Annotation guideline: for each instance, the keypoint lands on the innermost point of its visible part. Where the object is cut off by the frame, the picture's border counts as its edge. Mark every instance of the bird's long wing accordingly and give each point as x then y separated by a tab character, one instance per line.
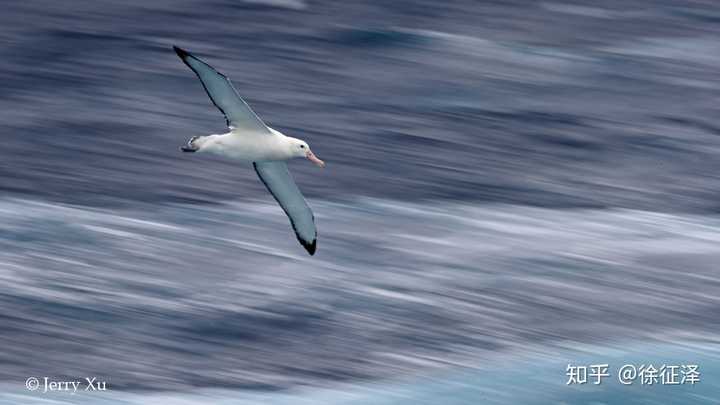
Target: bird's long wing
222	93
279	182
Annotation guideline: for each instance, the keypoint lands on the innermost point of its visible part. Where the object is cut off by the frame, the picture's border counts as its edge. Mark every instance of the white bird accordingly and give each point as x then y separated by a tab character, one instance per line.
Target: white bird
250	140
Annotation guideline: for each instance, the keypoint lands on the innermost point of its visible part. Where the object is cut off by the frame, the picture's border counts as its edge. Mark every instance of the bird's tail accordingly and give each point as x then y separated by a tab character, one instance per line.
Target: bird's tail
190	146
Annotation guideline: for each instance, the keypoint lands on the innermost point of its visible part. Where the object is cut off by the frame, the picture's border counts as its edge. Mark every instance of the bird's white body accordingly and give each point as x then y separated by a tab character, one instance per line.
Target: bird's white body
252	146
248	146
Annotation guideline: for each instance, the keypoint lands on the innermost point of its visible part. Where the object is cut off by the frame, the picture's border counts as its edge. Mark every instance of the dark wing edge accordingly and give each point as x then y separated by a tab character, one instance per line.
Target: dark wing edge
277	179
186	56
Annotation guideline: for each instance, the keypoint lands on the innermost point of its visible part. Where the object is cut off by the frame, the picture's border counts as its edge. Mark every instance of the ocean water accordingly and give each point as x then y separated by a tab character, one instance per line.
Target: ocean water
535	380
179	298
511	187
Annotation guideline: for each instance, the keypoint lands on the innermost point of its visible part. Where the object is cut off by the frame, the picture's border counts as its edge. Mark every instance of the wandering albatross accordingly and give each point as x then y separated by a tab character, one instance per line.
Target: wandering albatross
250	140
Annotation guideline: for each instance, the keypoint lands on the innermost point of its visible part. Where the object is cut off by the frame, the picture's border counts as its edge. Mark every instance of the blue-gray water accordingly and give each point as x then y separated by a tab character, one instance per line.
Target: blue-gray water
505	179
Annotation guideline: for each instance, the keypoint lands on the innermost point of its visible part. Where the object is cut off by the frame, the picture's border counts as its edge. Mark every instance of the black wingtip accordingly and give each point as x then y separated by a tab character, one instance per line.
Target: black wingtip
181	52
310	247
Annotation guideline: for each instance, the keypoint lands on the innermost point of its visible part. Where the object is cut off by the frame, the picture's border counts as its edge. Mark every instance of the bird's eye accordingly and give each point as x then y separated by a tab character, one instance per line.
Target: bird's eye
302	146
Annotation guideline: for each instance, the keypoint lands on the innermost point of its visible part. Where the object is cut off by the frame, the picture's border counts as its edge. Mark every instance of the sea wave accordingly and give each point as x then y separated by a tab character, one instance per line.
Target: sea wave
528	379
206	295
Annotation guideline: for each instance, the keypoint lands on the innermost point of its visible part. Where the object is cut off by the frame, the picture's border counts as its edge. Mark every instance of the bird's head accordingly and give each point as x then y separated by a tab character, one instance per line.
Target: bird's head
300	148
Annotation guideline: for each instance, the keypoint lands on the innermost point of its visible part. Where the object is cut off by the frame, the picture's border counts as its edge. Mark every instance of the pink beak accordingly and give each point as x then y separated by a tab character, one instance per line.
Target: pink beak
311	157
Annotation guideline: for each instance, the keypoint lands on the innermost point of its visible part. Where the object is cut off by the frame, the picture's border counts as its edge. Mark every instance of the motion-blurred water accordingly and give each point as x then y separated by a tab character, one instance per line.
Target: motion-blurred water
503	178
